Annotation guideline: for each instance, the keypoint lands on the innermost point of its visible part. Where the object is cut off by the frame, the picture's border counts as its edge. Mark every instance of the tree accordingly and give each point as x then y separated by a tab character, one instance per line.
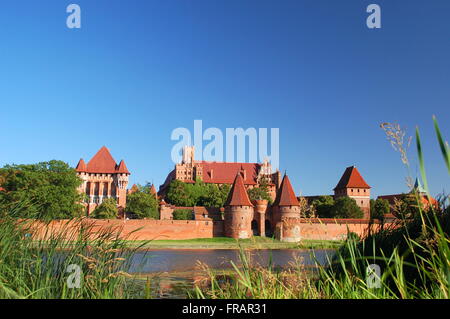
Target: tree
106	210
197	194
183	214
213	196
346	207
178	194
46	190
379	208
260	192
323	206
142	204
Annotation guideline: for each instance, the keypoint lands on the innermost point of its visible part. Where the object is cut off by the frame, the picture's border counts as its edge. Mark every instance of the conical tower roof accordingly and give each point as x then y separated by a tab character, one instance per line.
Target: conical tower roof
238	195
418	186
81	166
122	168
286	195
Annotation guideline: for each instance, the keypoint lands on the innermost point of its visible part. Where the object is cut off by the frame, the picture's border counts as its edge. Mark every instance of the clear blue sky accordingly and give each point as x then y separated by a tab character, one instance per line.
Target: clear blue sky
136	70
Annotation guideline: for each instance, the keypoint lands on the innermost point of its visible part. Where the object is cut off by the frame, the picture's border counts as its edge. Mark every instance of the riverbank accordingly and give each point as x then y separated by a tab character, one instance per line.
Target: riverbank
230	243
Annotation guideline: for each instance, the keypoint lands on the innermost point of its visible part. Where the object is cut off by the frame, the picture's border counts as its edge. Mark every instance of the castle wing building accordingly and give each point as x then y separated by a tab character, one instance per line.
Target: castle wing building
103	178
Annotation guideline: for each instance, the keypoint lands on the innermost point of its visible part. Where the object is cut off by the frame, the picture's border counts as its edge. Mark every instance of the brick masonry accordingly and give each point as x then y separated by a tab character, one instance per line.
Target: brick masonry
318	229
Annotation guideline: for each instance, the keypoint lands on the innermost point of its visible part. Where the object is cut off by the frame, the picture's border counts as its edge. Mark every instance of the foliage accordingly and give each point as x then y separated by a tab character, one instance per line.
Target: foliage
106	210
260	192
346	207
407	206
379	208
323	206
306	210
142	204
197	194
46	190
183	214
39	269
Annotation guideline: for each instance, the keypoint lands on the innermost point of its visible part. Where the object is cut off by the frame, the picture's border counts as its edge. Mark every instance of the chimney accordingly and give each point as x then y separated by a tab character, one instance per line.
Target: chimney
211	174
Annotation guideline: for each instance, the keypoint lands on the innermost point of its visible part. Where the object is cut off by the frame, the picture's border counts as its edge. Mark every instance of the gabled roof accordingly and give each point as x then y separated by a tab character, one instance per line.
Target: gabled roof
225	172
238	195
351	178
102	163
286	195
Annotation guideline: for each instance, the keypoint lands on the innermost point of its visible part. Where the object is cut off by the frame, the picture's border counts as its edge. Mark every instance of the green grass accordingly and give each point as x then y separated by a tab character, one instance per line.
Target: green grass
230	243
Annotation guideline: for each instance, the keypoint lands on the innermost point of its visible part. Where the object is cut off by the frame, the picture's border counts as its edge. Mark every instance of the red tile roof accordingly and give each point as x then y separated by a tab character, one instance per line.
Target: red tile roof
81	166
238	195
122	168
102	163
286	195
225	173
351	178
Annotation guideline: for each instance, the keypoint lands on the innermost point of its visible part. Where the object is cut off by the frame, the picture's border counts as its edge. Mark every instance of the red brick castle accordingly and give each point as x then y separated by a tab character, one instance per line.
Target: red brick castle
103	178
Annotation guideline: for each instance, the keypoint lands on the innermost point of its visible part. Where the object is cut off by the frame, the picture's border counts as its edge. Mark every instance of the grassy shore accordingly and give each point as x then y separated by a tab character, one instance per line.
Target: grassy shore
230	243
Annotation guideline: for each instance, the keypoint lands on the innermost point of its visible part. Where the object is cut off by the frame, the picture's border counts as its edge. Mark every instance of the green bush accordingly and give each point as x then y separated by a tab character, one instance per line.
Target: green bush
46	190
346	207
142	204
106	210
183	214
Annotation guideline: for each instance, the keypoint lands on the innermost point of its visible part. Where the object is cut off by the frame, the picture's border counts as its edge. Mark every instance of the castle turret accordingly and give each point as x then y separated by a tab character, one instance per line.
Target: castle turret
238	211
287	213
354	186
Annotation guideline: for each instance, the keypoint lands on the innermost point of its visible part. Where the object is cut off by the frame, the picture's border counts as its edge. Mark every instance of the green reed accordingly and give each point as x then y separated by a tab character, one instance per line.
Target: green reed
40	268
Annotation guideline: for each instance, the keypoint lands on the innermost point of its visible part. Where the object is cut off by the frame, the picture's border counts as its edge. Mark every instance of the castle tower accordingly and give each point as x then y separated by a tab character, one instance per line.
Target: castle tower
103	178
287	213
354	186
286	203
238	211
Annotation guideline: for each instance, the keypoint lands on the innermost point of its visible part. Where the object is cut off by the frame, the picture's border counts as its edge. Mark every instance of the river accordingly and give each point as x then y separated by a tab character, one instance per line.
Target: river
172	271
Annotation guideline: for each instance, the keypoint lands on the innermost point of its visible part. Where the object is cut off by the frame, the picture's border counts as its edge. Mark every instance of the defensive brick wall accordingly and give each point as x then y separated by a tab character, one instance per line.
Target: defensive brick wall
315	229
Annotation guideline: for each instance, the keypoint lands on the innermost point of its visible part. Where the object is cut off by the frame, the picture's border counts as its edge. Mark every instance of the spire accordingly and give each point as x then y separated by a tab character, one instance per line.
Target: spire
238	195
122	168
286	195
351	178
153	190
81	166
418	186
